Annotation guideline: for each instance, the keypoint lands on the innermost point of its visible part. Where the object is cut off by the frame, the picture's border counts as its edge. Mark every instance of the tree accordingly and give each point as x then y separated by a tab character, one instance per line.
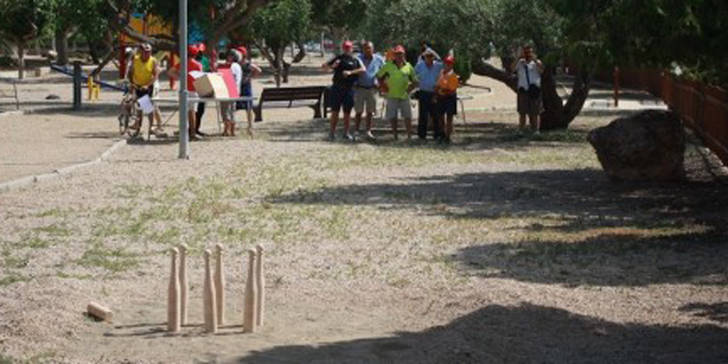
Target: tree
94	26
660	33
218	18
338	18
278	25
24	21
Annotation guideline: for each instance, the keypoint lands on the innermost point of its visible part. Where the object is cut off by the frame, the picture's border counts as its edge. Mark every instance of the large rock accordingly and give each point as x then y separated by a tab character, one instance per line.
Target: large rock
648	146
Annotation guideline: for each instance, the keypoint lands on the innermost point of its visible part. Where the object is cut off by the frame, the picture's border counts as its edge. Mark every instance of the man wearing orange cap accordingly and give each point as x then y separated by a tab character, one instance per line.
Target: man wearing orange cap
346	69
447	97
399	79
192	66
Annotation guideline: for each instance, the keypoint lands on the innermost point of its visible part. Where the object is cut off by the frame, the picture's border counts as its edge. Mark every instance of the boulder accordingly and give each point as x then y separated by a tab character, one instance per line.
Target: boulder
647	146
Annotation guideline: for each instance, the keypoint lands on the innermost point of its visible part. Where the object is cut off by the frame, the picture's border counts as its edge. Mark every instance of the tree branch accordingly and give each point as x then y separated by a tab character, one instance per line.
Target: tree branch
483	68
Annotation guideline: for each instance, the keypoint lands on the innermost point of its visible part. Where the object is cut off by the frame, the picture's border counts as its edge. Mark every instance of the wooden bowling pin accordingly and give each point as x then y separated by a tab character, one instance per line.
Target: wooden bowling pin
173	296
259	285
208	297
219	286
184	286
249	319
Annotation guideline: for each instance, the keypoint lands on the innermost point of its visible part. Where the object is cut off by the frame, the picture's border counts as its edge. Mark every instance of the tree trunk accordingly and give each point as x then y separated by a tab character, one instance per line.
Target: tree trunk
278	67
286	70
61	38
556	114
21	60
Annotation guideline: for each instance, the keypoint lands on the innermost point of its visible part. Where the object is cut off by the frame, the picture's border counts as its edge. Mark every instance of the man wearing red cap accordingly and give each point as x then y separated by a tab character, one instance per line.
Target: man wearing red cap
446	90
341	95
399	79
192	66
249	70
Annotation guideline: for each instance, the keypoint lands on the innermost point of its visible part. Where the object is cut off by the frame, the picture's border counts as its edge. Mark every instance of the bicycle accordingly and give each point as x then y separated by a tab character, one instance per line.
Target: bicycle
129	111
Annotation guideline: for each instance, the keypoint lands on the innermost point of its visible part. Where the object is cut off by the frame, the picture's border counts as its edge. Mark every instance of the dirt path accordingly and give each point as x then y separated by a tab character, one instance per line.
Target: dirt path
499	248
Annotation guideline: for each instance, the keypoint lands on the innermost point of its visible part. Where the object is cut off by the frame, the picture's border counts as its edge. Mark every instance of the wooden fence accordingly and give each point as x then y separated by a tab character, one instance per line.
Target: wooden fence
703	108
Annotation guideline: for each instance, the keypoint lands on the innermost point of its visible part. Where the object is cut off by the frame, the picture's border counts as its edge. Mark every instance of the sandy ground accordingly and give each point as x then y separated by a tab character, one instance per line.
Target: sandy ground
499	248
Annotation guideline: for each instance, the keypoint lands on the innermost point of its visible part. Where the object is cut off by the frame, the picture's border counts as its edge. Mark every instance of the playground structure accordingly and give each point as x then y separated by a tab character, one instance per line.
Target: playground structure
144	24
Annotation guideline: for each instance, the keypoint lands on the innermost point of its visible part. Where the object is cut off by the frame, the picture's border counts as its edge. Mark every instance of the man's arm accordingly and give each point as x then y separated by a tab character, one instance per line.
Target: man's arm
256	70
357	71
332	64
539	65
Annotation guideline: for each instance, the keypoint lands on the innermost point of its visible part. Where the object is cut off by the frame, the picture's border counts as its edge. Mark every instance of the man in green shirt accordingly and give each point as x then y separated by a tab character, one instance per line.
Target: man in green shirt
398	79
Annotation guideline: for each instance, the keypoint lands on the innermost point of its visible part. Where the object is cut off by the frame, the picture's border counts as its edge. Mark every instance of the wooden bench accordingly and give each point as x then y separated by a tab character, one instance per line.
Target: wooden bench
313	94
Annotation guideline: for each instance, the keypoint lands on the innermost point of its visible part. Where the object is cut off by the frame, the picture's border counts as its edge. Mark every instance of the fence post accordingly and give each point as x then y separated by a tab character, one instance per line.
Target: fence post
76	86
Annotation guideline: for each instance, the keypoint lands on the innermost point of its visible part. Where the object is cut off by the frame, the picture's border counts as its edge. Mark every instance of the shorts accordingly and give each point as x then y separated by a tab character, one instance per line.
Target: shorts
528	105
192	105
245	91
447	105
365	98
228	111
149	91
341	98
398	105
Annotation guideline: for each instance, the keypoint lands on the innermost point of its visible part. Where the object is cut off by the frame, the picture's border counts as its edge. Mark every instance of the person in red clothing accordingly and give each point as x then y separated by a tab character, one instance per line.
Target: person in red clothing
192	66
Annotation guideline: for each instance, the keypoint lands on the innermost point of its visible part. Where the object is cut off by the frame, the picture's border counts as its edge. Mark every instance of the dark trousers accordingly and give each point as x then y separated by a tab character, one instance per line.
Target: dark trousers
198	116
428	110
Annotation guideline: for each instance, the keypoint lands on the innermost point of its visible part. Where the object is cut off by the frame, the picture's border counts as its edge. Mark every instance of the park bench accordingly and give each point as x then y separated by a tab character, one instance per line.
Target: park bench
294	96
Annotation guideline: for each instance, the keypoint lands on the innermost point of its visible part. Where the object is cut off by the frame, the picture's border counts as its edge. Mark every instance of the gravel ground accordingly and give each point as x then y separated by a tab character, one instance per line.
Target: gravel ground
498	248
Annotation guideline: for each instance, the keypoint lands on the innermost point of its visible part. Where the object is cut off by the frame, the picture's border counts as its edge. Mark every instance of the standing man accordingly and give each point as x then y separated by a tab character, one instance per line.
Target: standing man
399	79
205	62
529	69
192	66
341	95
249	70
447	98
142	76
428	70
365	91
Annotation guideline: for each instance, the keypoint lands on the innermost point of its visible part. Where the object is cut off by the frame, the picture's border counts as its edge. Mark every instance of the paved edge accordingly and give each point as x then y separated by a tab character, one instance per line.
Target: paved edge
31	180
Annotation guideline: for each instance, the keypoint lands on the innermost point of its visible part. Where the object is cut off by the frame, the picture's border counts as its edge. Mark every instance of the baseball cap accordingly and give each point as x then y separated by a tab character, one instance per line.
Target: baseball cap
449	60
399	49
243	51
347	45
192	50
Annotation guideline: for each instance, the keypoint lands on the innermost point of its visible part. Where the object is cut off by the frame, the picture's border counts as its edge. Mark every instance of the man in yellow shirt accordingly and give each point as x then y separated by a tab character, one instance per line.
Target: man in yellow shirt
446	90
142	76
399	79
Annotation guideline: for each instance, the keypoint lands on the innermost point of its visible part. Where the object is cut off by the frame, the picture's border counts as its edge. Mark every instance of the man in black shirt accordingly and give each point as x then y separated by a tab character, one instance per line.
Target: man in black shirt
346	71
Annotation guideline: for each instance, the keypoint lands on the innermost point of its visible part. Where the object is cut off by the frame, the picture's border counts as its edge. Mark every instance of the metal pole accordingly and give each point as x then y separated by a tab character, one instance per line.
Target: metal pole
184	138
77	86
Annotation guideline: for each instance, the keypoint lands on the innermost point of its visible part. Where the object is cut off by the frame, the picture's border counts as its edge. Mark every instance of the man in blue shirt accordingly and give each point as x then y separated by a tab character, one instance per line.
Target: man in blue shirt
428	70
365	90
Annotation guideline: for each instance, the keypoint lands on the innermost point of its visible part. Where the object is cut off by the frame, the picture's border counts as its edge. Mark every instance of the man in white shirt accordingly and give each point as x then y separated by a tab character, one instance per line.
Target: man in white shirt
529	69
228	108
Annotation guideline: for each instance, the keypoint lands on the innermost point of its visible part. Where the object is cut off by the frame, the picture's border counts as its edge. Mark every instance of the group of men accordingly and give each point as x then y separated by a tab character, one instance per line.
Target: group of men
143	75
359	79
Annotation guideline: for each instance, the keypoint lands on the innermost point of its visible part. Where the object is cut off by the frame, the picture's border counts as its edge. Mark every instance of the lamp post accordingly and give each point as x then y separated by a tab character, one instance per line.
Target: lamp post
184	137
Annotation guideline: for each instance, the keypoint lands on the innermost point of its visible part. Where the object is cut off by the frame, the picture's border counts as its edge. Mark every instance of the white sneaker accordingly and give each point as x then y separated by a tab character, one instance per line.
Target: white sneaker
370	135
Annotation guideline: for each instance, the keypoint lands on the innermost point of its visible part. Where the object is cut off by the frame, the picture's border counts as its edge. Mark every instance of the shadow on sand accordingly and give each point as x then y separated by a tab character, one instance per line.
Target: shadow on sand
519	334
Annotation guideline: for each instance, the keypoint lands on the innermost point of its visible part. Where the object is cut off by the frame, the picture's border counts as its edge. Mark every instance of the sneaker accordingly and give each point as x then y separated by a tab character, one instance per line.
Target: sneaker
370	136
348	137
